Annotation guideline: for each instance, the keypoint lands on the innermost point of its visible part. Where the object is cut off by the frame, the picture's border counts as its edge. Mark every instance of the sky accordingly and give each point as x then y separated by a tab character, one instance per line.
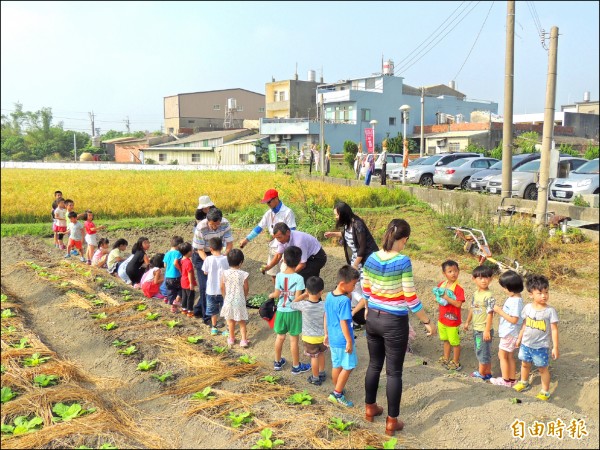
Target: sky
120	59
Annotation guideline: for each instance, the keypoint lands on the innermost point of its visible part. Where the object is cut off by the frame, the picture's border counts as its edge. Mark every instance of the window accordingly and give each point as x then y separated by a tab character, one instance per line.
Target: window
480	164
240	108
453	146
216	107
261	109
196	157
191	121
171	130
243	158
366	115
282	96
162	157
205	143
392	121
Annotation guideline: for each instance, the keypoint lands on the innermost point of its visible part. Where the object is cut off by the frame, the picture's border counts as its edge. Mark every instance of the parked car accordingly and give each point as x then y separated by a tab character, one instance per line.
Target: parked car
458	172
525	177
581	181
417	161
423	173
479	180
394	161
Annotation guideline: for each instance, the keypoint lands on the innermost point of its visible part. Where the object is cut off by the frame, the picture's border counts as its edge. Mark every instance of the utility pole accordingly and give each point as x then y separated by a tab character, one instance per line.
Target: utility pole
75	146
507	129
91	114
127	124
548	130
422	144
322	136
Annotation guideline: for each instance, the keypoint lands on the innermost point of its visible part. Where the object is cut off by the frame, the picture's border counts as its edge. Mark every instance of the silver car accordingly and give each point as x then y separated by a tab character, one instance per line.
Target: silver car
582	181
458	172
479	180
423	173
524	179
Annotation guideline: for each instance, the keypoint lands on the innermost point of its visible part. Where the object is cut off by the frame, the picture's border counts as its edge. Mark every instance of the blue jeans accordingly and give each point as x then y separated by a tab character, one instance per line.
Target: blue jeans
200	306
368	177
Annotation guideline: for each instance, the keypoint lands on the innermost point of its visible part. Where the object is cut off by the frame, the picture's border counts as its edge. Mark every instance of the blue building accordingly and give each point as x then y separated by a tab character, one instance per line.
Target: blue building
351	105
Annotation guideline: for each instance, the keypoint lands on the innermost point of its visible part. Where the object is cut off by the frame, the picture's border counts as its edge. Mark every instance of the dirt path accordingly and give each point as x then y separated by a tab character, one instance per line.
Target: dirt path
441	410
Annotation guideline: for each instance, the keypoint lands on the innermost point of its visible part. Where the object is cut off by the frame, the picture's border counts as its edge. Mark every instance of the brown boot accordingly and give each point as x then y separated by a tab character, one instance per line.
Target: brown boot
372	410
392	424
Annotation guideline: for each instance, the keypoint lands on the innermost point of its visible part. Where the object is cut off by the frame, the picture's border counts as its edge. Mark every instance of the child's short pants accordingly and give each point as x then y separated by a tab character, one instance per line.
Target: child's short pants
339	358
288	323
214	303
483	349
508	343
449	334
537	356
77	244
314	350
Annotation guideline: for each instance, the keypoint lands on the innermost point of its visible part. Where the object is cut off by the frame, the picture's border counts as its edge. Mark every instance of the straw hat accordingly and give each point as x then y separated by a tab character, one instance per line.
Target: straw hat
204	201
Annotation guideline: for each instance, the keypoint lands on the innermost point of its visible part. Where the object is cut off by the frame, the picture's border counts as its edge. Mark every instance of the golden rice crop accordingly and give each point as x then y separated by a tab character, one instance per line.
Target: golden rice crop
112	194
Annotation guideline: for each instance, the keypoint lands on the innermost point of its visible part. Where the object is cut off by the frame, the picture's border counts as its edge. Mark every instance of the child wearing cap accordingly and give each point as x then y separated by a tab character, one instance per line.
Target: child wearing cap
277	212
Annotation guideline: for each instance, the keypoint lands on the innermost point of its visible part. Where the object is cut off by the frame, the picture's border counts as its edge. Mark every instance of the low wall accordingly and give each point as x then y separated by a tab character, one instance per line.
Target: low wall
122	166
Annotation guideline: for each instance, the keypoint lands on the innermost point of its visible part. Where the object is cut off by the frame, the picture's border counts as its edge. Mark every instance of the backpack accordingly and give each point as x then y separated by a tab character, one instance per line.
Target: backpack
267	309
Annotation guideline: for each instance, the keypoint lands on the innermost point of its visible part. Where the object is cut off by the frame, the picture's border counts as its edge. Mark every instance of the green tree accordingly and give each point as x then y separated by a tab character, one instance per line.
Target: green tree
591	152
526	142
350	151
568	149
495	152
475	148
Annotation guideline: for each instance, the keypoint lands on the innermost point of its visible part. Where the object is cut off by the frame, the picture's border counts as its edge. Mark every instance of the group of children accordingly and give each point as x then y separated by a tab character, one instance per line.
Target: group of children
533	329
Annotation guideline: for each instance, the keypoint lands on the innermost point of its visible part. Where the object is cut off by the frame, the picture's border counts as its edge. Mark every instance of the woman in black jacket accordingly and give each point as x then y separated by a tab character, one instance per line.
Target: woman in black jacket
358	245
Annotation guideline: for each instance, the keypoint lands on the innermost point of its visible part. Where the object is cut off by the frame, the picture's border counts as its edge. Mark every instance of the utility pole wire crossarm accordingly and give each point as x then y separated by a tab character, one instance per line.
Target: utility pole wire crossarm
507	128
548	130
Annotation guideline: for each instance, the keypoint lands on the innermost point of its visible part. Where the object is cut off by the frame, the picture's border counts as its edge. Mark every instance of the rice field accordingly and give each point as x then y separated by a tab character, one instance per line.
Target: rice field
28	193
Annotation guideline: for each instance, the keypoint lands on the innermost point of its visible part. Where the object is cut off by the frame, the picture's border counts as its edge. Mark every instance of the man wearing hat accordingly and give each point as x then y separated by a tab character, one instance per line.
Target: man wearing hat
277	212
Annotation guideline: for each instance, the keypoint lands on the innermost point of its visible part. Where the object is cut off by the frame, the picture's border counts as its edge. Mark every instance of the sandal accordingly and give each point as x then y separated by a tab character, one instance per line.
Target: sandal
476	374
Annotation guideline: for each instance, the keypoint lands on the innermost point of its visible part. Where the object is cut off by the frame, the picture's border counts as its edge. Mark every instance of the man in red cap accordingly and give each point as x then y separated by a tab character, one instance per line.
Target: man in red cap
277	212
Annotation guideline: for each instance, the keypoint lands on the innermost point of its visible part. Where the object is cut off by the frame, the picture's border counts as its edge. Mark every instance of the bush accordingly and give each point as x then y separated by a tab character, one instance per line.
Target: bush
350	151
149	161
591	152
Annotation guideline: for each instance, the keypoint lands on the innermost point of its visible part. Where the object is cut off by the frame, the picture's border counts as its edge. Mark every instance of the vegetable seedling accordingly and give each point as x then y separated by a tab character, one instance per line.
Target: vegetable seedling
204	394
300	398
335	423
514	400
23	343
172	323
194	339
7	330
164	377
145	366
35	360
109	326
270	379
22	425
152	316
118	343
44	380
389	444
54	278
98	279
128	351
219	350
109	285
7	313
101	315
237	420
65	284
266	441
3	298
97	302
247	359
2	368
141	307
64	413
7	394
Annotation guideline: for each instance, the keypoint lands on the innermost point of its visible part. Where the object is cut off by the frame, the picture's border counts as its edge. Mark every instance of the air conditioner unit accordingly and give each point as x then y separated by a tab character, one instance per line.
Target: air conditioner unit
287	137
274	138
441	142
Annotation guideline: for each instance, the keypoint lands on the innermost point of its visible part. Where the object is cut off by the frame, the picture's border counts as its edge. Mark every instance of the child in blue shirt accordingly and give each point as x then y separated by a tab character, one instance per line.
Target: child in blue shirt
338	333
172	263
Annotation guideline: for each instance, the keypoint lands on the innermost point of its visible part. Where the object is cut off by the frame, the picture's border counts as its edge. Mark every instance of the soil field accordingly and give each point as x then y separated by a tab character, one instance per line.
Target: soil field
54	300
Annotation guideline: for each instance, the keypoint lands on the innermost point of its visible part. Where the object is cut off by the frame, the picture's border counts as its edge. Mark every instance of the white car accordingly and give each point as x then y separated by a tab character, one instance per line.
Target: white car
582	181
394	161
525	177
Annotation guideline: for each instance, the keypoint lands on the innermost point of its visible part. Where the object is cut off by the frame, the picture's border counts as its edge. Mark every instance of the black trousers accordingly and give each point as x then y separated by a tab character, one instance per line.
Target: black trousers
314	264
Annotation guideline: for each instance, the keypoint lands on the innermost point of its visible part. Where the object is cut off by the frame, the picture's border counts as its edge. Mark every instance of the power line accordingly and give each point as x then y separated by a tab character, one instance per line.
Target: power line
476	38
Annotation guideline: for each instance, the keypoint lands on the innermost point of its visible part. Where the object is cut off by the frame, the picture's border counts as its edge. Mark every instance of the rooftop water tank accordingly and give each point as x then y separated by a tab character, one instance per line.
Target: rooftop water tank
388	67
586	96
452	84
312	75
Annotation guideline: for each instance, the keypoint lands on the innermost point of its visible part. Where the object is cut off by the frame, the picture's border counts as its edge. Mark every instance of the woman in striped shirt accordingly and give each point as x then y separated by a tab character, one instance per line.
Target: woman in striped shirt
389	291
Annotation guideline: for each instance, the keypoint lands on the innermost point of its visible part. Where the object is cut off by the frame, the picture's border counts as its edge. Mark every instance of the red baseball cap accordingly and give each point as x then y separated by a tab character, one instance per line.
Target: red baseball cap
269	195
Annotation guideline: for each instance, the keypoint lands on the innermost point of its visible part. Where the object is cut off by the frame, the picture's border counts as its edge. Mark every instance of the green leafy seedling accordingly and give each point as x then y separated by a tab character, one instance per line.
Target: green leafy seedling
335	423
65	284
270	379
23	343
128	351
141	307
118	343
127	298
7	394
22	425
164	377
145	366
204	394
266	441
219	350
2	368
43	273
7	313
99	279
35	360
247	359
514	400
44	380
300	398
64	413
8	330
89	296
125	292
109	285
54	277
172	323
97	302
194	339
101	315
3	298
152	316
239	419
109	326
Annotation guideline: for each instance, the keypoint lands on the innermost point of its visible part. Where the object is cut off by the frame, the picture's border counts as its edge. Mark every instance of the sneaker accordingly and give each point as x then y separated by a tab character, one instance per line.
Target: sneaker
89	262
82	259
231	342
244	343
166	300
342	400
453	366
500	382
300	368
476	374
314	380
543	396
322	376
184	312
356	326
522	386
225	333
214	331
74	252
278	365
62	246
443	361
67	255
